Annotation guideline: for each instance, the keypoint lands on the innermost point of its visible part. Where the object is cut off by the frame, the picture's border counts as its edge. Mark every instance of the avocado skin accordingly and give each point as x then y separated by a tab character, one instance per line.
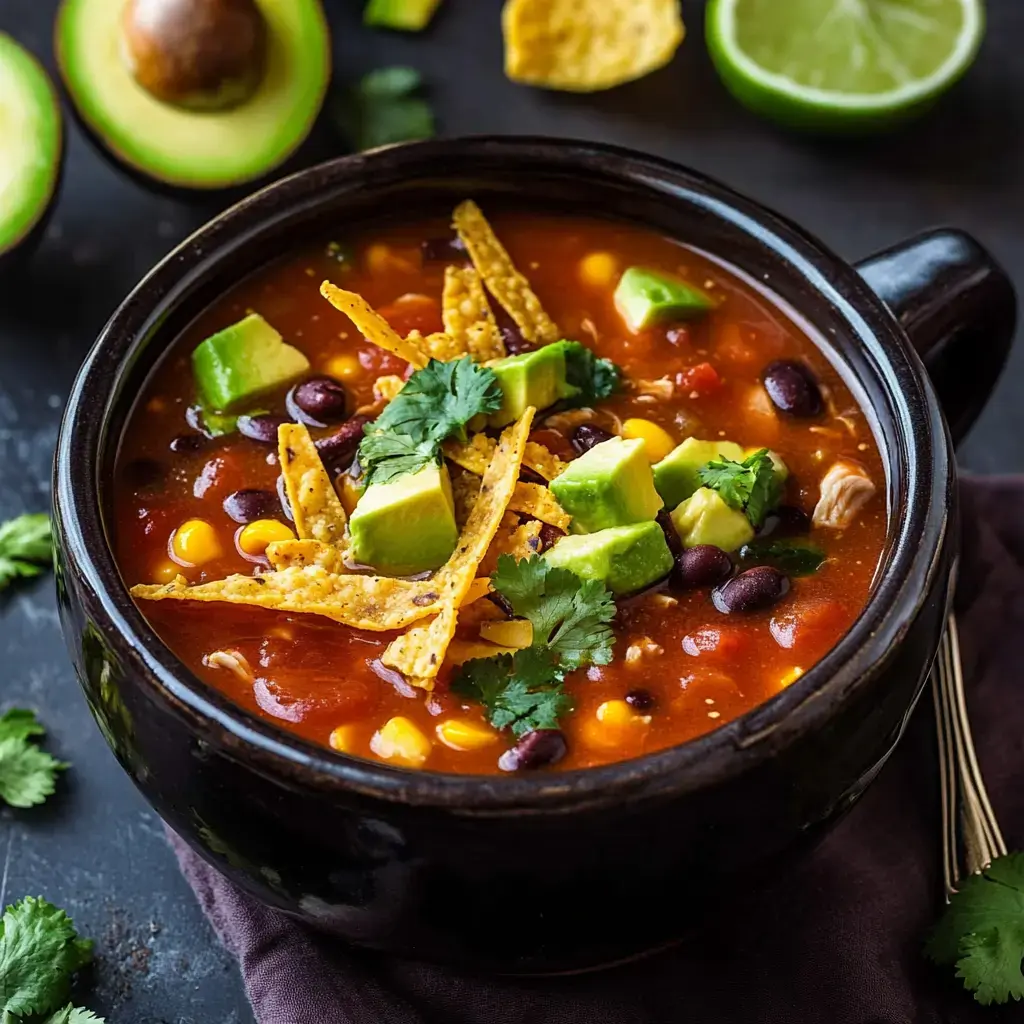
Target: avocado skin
15	258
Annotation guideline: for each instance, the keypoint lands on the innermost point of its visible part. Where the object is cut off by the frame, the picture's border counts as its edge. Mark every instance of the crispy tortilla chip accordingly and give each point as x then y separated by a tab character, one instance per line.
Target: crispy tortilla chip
387	387
537	501
316	507
475	455
288	554
418	654
503	281
468	317
520	540
438	346
377	603
587	45
481	588
465	491
372	325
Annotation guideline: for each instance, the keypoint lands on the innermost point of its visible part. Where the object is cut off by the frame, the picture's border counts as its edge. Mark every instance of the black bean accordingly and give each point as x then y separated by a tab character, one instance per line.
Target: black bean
587	435
785	521
531	476
793	388
183	444
675	544
251	504
536	749
446	249
337	450
703	565
752	590
511	335
317	402
260	428
282	497
640	700
549	536
143	473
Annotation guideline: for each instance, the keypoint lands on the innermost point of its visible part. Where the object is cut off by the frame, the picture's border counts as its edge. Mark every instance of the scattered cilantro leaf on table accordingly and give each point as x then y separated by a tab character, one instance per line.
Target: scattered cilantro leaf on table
26	547
982	932
384	107
27	774
750	486
596	378
73	1015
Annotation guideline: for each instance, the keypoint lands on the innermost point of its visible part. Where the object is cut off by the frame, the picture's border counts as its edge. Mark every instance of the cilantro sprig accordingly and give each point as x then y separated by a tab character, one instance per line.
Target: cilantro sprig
383	107
750	486
436	403
27	774
570	618
26	547
982	932
595	378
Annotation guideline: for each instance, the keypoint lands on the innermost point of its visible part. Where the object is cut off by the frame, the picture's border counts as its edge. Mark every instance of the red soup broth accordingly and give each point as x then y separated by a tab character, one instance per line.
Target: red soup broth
696	667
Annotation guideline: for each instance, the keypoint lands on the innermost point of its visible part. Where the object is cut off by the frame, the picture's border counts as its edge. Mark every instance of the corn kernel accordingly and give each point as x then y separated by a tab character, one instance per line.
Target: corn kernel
382	259
790	676
617	713
343	738
343	367
165	572
614	725
401	742
508	632
462	734
350	493
598	269
254	538
195	542
657	440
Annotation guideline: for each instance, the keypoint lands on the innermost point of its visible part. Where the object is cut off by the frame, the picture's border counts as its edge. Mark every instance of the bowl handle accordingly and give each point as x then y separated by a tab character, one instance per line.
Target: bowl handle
959	309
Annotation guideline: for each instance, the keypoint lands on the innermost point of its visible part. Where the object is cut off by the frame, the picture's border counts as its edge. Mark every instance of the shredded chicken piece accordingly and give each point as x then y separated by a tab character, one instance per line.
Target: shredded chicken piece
845	489
233	661
643	645
663	387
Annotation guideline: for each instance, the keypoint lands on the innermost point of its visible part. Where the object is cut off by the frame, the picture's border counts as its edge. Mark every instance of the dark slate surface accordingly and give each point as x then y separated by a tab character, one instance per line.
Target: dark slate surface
96	849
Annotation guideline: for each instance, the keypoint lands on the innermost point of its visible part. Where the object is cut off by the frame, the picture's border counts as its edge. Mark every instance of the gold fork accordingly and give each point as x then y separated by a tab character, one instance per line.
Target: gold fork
969	826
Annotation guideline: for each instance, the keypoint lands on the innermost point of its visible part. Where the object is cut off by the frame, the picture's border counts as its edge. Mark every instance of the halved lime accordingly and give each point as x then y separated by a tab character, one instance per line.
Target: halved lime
842	63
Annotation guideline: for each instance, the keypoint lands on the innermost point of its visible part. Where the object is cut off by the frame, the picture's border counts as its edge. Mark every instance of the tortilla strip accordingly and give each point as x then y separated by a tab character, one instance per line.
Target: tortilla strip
288	554
537	501
520	540
419	653
316	507
387	387
372	325
481	588
503	281
468	317
439	346
377	603
475	455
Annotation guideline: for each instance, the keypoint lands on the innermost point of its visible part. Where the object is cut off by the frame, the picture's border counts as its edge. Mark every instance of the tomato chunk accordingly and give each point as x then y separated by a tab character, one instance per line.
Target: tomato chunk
702	379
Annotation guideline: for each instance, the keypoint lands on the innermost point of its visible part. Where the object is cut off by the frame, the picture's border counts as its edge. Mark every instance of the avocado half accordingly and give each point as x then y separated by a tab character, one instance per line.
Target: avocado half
30	146
196	149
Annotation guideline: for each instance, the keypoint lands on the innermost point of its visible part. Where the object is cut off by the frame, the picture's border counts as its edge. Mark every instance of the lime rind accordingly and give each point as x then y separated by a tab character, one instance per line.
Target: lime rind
789	101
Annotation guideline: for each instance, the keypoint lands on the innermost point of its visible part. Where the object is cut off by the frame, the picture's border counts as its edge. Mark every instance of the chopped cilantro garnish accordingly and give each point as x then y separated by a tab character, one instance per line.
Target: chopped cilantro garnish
26	547
27	774
383	107
982	932
793	557
750	486
596	378
570	619
436	403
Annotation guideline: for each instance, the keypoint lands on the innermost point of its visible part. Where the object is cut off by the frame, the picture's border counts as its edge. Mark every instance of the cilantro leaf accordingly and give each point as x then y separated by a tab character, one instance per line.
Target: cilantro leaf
74	1015
384	457
982	932
27	774
596	378
20	724
26	547
750	486
795	558
483	679
383	108
39	952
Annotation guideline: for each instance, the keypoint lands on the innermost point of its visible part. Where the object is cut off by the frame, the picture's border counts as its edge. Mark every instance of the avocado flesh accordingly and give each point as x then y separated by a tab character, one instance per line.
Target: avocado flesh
532	378
30	143
611	485
196	149
645	298
705	518
408	15
406	526
624	558
677	476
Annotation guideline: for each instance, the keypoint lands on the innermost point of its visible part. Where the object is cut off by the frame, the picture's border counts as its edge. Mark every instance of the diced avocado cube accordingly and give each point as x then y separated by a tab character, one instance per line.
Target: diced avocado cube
405	526
645	298
626	558
243	361
408	15
611	485
677	476
532	378
704	518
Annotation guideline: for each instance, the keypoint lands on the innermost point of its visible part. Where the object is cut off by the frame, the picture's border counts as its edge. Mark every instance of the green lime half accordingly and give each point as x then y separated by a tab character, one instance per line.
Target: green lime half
842	63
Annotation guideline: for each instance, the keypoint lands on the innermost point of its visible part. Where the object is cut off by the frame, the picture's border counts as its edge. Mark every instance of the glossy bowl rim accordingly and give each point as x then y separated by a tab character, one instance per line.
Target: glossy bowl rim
919	538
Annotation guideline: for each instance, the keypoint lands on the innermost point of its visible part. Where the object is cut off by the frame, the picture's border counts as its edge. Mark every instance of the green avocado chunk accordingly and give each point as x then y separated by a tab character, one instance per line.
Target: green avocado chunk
406	526
610	485
704	518
532	378
243	361
626	558
408	15
677	476
646	297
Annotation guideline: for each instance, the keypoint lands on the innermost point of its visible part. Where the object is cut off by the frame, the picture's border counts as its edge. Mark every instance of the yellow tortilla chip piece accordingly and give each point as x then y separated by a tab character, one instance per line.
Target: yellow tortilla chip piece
467	315
387	387
503	281
588	45
520	540
316	507
372	326
475	455
465	491
481	587
438	346
537	501
288	554
418	654
377	603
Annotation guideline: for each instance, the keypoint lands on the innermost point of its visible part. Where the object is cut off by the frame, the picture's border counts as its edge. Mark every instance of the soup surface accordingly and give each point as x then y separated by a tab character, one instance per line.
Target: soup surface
763	554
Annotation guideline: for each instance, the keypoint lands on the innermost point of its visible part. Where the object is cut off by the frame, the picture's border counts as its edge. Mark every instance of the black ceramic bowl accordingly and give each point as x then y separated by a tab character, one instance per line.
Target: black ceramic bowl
551	871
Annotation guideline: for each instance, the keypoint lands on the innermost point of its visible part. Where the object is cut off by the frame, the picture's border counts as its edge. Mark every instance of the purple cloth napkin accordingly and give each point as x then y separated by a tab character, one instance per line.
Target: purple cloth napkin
841	942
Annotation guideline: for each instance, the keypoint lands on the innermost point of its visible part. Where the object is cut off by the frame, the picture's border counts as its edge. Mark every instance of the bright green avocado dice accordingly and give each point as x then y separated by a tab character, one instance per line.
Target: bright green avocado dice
610	485
626	558
704	518
242	362
645	298
408	15
532	378
406	526
677	476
